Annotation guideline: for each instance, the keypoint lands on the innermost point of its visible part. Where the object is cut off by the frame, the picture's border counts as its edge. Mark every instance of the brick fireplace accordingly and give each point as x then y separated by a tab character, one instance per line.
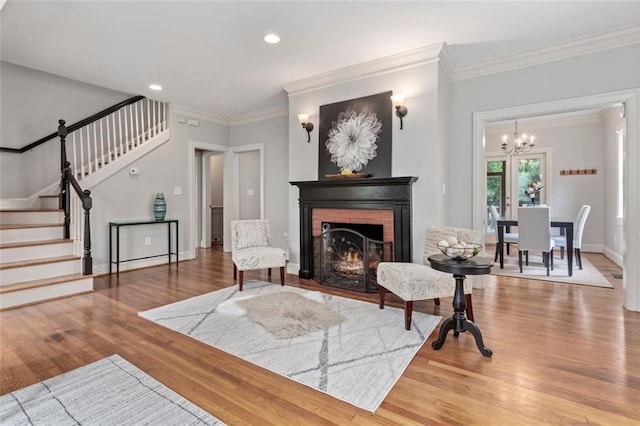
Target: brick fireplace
379	201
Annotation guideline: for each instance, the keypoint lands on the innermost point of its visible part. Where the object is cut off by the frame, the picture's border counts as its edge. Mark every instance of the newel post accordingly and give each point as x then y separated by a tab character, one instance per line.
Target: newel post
87	260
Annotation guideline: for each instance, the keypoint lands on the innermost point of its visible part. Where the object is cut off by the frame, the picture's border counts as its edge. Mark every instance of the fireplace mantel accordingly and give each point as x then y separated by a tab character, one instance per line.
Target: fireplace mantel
373	193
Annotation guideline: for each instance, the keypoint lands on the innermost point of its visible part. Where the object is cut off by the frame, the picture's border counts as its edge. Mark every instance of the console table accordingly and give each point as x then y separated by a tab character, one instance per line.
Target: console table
458	322
120	224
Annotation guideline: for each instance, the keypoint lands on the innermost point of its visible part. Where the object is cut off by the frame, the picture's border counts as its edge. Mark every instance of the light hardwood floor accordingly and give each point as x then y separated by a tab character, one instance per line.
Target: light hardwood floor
563	354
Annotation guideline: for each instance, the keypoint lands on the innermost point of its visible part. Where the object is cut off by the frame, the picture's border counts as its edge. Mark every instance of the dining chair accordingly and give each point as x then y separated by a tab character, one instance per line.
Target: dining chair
509	237
534	233
251	249
561	241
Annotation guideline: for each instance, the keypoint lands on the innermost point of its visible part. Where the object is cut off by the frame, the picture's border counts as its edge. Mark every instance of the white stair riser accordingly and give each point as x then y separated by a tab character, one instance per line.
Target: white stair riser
38	294
31	234
14	218
38	272
18	254
49	203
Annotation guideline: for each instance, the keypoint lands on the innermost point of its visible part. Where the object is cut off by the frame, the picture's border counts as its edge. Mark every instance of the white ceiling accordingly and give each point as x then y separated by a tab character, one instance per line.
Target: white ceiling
210	56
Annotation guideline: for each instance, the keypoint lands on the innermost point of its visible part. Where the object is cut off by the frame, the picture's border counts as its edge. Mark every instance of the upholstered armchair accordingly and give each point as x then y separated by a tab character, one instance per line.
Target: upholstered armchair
414	281
251	249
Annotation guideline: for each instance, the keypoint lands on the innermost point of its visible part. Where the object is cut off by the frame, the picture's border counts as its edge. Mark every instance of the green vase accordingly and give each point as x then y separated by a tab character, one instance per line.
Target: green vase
159	207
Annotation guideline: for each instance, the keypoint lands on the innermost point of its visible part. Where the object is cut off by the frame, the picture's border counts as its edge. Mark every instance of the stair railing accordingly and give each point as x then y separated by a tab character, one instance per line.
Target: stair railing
73	217
108	138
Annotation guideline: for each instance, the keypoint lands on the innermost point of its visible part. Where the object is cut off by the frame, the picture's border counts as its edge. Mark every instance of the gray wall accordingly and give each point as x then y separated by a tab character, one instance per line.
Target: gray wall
415	150
595	73
249	185
273	134
32	103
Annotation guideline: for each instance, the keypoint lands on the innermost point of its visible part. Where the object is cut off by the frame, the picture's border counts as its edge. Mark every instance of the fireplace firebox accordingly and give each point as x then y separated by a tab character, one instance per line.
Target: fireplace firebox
347	255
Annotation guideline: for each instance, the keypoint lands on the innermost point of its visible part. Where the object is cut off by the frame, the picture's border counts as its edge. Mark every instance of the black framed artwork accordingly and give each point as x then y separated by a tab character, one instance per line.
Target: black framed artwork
356	135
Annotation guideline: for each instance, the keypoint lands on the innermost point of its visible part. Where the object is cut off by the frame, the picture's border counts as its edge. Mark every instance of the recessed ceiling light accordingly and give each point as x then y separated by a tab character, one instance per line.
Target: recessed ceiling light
272	38
155	87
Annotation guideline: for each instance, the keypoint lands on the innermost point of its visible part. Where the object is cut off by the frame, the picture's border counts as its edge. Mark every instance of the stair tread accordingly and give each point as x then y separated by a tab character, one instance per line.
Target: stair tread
28	225
35	243
34	262
42	282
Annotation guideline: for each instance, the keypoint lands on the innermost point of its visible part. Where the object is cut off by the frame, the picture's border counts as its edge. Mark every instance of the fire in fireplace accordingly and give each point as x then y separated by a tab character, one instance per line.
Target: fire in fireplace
349	254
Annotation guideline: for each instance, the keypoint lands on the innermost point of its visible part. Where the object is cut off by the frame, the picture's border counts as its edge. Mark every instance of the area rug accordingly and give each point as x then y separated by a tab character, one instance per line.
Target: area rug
107	392
358	359
589	275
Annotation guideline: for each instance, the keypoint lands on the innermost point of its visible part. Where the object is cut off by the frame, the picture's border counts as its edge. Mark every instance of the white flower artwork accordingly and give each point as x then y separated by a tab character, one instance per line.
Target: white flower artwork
352	139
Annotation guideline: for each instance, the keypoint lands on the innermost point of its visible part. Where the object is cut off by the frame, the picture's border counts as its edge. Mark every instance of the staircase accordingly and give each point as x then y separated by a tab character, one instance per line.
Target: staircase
36	262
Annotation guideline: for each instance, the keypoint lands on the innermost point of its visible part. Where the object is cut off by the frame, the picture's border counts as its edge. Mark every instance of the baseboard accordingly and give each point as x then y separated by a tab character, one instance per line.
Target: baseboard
293	268
142	263
613	256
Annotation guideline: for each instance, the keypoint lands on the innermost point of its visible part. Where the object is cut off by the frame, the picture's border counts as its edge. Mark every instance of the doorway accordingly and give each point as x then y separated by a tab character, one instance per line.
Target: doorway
631	188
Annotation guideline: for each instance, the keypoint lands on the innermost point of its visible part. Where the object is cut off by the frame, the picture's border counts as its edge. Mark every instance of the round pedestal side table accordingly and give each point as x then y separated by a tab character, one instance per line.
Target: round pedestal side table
458	322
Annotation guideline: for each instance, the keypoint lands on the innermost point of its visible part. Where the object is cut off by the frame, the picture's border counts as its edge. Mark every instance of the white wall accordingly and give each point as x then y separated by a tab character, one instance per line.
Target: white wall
414	150
613	228
573	146
32	103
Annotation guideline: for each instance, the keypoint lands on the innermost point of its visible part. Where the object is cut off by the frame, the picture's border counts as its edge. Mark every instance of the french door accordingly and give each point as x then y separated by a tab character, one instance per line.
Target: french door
507	179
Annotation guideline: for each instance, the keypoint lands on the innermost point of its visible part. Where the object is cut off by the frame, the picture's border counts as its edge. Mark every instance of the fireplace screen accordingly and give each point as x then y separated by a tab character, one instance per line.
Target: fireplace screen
347	258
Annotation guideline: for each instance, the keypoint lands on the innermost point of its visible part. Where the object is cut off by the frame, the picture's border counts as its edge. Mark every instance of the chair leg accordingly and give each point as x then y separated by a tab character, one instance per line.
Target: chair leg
545	256
282	275
495	257
381	293
520	260
235	272
469	306
241	274
508	246
552	259
526	256
437	301
408	310
269	273
579	258
561	252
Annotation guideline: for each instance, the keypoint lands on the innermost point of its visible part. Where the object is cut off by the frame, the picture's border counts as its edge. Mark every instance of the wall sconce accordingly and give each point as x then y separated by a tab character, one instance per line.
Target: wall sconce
304	120
398	104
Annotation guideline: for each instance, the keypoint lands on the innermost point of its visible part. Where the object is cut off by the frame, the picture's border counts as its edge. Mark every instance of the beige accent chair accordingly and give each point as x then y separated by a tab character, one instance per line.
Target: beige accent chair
251	249
534	233
561	241
509	237
413	281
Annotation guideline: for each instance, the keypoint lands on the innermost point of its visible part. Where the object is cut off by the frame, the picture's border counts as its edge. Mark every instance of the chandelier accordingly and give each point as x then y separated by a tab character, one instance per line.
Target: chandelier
519	144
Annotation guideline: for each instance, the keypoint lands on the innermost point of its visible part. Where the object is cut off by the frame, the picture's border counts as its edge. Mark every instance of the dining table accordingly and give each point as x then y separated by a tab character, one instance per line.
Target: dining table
566	229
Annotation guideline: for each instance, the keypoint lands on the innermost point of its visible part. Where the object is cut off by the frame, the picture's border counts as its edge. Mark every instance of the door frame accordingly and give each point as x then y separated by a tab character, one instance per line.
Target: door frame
631	221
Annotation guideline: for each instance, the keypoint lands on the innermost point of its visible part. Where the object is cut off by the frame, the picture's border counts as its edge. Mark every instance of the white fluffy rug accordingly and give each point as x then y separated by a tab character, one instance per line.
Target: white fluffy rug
357	360
107	392
536	270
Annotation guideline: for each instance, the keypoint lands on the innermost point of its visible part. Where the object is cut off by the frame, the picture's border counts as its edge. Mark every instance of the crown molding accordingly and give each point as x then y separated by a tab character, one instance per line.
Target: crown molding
265	114
578	118
202	115
446	60
400	61
581	46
